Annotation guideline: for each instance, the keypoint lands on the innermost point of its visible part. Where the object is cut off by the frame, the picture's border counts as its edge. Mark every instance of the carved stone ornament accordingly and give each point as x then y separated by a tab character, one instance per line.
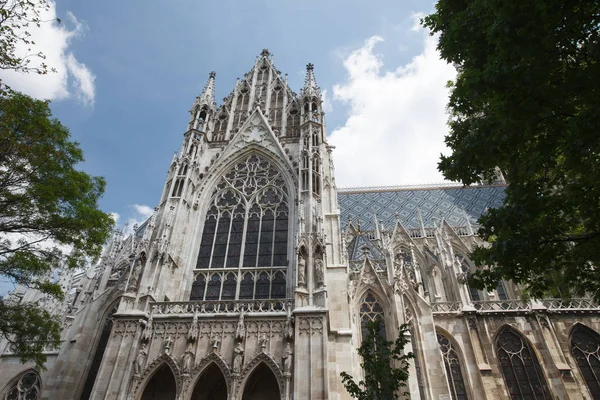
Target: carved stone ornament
140	360
187	362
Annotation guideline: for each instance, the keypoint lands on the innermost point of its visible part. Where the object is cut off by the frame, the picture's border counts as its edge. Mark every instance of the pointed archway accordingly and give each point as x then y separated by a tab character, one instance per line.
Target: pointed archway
211	385
161	386
261	385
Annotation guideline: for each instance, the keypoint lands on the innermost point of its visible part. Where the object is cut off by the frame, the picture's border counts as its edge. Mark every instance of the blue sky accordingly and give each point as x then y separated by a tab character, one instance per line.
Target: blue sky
128	72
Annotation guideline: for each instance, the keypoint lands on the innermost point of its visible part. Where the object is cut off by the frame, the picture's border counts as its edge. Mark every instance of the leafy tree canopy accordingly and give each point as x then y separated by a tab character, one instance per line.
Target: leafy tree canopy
526	100
49	216
384	363
17	17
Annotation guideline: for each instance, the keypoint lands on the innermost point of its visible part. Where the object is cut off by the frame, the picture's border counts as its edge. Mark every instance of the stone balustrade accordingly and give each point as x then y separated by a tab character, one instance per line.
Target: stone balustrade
576	304
446	307
501	305
168	308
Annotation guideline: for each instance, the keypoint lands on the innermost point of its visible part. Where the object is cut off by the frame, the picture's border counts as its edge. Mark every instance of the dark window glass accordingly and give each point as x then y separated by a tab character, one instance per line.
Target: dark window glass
98	355
585	348
229	286
198	288
214	287
371	310
262	286
247	286
278	286
522	373
221	240
452	367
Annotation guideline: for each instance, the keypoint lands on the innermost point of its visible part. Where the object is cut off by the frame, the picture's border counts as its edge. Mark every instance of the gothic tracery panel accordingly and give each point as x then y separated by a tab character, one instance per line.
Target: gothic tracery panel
246	229
454	374
522	372
26	387
585	348
370	311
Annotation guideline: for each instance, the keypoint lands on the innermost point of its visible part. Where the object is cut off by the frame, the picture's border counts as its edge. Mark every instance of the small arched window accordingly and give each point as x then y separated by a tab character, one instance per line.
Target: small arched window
371	310
26	386
585	348
452	367
522	372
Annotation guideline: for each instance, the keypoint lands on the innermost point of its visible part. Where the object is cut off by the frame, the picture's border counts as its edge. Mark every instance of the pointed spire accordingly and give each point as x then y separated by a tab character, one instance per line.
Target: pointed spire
310	89
208	94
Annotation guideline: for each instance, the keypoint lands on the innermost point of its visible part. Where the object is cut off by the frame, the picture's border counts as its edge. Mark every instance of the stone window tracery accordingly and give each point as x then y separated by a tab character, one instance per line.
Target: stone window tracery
371	310
585	348
27	387
293	123
452	367
220	128
522	372
246	229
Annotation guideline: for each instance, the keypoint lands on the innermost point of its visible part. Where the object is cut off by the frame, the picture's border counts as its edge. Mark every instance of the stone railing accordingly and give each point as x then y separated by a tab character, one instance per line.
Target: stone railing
446	307
167	308
578	304
501	305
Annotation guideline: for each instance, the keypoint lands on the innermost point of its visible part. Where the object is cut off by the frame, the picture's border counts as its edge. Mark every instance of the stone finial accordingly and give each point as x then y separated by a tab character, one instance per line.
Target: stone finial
310	67
265	53
212	75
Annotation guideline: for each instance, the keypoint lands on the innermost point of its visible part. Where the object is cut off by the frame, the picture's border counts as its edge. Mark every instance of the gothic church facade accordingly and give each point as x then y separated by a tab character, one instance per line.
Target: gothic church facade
255	275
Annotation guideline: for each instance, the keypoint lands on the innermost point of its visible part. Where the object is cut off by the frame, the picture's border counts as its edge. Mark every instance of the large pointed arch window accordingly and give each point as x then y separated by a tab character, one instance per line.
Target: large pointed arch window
245	235
585	348
522	372
452	367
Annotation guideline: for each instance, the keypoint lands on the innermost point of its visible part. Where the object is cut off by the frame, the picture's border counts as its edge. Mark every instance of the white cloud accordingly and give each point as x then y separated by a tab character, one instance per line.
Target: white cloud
141	213
115	216
397	121
327	106
143	210
73	79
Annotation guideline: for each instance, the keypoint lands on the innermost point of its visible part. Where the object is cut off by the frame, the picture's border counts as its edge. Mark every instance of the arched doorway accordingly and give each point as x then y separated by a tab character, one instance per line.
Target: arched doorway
161	386
211	385
261	385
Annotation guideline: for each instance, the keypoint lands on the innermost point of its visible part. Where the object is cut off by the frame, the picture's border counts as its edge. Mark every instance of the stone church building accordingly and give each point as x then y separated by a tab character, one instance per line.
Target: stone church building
255	275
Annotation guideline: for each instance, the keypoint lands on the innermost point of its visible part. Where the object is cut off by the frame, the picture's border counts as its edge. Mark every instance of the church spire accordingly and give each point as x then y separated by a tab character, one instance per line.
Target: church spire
310	89
208	94
204	105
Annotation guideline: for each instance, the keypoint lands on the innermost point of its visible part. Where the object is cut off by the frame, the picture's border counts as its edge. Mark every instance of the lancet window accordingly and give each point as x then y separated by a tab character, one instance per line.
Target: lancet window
220	128
26	387
316	165
452	367
293	123
585	348
245	235
371	310
241	107
276	107
178	187
522	372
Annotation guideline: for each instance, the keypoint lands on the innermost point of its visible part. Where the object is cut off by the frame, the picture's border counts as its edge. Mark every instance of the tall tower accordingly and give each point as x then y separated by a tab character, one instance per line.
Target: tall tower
230	275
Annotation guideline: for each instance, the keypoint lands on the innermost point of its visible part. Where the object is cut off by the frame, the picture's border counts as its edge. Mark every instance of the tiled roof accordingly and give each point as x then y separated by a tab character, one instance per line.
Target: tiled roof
453	203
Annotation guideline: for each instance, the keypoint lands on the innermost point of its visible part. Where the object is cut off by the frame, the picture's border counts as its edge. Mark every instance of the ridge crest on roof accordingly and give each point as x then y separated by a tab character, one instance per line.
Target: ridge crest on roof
441	185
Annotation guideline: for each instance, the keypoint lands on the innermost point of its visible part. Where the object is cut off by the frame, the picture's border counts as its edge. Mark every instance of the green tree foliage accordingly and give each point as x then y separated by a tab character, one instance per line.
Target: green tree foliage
49	216
384	363
526	100
16	44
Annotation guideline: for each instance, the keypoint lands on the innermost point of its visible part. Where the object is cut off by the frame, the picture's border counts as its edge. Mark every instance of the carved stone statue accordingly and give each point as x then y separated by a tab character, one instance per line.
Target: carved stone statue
215	343
240	330
140	360
287	360
319	272
301	271
263	342
238	358
194	330
167	345
288	330
187	361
